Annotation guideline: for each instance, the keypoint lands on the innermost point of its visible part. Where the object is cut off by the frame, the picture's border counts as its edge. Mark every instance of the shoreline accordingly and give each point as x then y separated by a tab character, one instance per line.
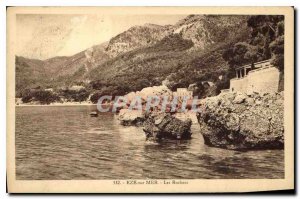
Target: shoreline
29	105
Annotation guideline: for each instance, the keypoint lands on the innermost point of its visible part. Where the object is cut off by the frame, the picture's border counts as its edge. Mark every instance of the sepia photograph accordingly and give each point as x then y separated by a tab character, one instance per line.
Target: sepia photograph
139	98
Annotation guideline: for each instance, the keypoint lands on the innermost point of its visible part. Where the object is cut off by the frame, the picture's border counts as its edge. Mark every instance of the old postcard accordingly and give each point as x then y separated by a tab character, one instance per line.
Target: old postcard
150	99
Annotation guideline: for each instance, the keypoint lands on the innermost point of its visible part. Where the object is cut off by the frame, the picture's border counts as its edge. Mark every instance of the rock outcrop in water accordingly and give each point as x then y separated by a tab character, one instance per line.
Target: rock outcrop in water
131	117
160	126
241	122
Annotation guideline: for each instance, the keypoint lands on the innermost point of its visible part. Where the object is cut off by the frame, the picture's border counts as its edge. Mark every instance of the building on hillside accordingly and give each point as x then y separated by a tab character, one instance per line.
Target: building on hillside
76	88
18	101
86	81
182	92
258	77
49	89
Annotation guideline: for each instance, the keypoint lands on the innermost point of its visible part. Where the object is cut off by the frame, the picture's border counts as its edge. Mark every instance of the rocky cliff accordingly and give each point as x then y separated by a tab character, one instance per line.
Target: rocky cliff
204	30
241	122
136	37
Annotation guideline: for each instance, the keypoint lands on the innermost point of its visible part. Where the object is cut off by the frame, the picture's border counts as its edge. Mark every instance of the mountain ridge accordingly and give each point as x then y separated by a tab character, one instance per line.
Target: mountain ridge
141	56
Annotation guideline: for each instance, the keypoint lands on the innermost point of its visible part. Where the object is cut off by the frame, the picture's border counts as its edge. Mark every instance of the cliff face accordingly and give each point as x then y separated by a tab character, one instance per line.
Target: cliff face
241	122
136	37
201	30
204	30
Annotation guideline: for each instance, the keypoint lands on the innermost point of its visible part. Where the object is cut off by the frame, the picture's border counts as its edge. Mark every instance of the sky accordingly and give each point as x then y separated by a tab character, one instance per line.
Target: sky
42	36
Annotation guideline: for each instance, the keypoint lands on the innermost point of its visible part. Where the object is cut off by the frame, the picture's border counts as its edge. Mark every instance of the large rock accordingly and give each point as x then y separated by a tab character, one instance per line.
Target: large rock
241	122
131	117
149	91
160	126
137	117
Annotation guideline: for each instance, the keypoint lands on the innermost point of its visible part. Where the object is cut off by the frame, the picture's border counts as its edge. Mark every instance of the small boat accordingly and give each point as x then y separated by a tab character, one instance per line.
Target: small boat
94	114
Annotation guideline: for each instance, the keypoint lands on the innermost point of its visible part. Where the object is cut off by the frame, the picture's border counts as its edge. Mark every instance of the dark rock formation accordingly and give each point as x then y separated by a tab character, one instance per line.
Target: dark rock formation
164	126
241	122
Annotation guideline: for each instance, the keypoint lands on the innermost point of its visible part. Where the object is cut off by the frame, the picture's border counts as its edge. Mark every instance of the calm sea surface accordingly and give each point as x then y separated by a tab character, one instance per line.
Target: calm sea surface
54	143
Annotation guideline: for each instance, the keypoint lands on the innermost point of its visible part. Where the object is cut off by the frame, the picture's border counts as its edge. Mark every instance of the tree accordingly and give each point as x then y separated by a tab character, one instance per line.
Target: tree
266	42
277	47
44	97
75	95
241	53
26	96
265	33
81	95
95	97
